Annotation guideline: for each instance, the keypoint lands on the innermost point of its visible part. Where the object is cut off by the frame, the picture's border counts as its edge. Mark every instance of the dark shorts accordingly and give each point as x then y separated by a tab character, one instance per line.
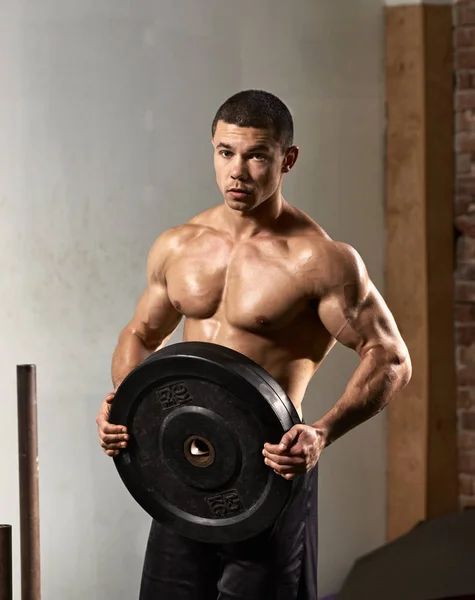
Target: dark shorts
279	564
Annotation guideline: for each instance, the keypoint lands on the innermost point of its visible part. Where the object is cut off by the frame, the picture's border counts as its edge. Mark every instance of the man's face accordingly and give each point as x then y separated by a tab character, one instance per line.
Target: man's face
249	165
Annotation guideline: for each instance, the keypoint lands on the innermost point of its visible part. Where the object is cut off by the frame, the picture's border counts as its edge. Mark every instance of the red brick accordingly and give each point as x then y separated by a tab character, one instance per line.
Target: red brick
465	377
465	13
466	484
458	420
461	206
465	249
466	224
465	292
463	162
466	357
465	142
467	503
461	123
465	399
468	421
466	272
465	58
464	99
465	121
466	441
459	357
464	37
465	335
465	184
466	463
464	313
463	80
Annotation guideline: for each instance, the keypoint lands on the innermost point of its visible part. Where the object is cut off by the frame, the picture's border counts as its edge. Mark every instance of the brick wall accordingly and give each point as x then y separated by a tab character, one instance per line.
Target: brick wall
464	58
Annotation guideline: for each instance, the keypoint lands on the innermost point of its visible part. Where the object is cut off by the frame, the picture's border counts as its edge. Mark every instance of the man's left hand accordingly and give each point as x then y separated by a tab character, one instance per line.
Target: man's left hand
296	454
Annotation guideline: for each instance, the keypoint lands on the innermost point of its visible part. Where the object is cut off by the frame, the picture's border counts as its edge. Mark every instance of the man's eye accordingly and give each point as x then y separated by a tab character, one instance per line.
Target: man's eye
258	156
225	153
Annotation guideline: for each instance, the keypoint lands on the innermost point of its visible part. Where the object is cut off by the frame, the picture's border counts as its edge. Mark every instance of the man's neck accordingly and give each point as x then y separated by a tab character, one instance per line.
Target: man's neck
244	225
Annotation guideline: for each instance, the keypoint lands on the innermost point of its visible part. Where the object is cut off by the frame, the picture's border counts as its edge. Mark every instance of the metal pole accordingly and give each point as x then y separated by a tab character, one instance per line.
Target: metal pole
6	586
28	475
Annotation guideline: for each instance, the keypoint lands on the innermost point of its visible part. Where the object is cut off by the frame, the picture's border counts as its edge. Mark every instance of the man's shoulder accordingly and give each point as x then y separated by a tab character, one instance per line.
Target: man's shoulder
341	266
198	225
311	235
177	238
308	234
332	263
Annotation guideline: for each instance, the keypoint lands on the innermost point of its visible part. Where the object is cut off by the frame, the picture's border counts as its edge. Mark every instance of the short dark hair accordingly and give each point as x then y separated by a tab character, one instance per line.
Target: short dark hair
256	108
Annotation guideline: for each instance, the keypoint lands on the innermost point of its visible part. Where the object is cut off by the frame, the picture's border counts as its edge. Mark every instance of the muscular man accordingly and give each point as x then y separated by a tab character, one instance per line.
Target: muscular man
258	275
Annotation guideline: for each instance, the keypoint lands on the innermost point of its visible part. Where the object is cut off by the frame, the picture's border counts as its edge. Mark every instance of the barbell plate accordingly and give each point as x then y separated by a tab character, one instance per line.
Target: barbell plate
198	415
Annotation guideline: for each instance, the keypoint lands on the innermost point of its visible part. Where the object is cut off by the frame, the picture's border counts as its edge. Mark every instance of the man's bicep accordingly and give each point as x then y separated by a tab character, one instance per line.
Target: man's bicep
357	317
155	317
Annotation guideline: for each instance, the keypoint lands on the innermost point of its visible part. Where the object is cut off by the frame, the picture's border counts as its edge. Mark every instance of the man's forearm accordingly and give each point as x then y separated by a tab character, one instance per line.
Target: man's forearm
130	352
378	378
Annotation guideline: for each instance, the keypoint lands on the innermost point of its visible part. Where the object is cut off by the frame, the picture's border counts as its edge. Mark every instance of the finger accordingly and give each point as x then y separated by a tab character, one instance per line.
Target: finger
290	474
114	445
282	460
294	451
281	469
114	439
111	452
108	428
109	397
273	448
289	438
102	421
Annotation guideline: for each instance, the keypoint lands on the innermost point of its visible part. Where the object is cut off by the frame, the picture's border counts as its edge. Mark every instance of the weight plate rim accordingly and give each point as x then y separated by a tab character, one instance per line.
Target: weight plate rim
248	375
141	381
251	368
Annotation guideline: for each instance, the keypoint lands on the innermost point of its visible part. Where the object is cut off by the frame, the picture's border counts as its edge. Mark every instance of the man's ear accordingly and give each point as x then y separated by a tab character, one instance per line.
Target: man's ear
290	159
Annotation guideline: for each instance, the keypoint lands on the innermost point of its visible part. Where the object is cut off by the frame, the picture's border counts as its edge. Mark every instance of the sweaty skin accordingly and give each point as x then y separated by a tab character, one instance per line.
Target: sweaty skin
259	276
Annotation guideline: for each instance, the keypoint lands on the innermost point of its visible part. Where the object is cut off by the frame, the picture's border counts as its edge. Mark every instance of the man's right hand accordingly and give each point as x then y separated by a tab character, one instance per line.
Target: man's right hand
113	437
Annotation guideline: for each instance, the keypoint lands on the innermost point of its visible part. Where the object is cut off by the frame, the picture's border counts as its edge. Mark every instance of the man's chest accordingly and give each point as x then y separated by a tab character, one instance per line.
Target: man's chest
251	287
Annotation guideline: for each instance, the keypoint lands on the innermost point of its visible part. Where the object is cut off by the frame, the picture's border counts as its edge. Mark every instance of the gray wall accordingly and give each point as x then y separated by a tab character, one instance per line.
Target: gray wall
105	113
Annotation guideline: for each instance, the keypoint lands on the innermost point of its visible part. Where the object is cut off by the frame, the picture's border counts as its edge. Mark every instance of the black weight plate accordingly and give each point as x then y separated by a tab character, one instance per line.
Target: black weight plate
220	398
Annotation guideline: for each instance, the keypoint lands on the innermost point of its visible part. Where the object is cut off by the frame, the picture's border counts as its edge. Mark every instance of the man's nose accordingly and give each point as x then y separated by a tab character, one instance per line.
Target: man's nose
238	170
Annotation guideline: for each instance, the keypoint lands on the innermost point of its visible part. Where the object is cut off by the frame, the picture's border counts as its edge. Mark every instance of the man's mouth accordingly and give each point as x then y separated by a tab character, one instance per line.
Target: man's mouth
239	192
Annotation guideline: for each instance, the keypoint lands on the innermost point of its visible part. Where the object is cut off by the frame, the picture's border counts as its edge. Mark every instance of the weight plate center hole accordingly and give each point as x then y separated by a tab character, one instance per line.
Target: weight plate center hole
199	451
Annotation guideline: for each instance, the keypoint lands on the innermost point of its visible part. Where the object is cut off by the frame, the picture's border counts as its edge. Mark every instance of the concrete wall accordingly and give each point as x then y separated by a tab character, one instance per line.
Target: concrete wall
105	114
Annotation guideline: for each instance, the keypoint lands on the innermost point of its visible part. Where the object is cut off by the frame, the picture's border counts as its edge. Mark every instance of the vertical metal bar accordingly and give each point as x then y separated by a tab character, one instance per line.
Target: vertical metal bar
28	475
6	585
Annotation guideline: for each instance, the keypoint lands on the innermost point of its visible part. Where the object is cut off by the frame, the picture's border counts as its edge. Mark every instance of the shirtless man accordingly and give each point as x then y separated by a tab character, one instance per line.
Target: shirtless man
258	275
